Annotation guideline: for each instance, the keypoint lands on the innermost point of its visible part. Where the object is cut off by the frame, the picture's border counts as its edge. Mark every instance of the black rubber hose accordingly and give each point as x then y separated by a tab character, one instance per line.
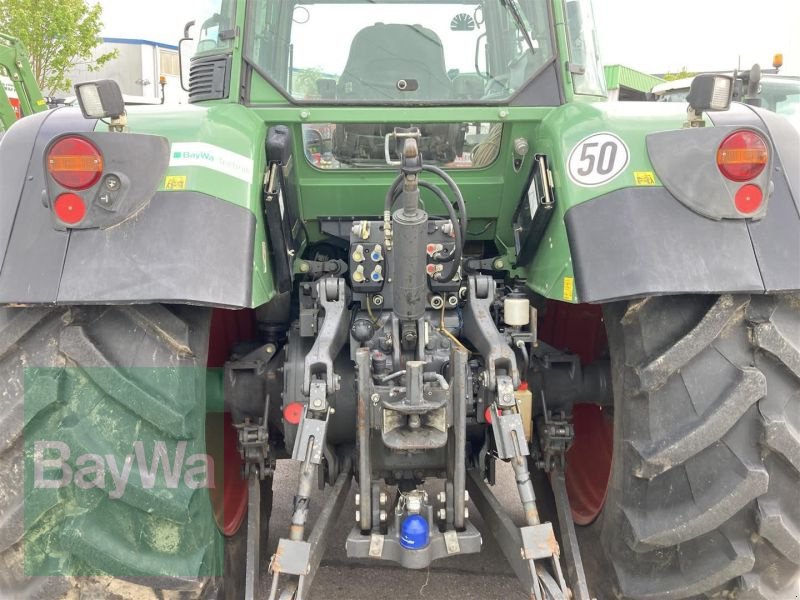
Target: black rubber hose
451	211
462	206
392	193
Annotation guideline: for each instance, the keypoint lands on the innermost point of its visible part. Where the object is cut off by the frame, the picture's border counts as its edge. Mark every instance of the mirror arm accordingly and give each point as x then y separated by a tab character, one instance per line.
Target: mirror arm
186	38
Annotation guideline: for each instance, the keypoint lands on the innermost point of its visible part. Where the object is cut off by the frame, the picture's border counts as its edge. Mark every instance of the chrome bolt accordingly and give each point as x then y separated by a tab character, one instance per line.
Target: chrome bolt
383	498
441	497
358	516
383	516
466	496
376	398
442	514
466	513
358	499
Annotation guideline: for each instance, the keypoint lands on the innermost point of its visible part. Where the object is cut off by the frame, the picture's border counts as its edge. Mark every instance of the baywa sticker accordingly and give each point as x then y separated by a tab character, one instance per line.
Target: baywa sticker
214	158
598	159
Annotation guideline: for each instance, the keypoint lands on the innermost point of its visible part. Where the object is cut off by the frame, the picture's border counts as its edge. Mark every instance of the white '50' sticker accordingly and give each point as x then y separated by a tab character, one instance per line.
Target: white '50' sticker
598	159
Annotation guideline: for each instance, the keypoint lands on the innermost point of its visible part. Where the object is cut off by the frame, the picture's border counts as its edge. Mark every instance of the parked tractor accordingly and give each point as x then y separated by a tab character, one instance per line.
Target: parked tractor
452	253
19	94
766	88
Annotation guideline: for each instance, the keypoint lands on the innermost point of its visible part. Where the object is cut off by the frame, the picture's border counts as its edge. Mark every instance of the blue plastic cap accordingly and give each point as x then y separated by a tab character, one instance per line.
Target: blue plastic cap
414	532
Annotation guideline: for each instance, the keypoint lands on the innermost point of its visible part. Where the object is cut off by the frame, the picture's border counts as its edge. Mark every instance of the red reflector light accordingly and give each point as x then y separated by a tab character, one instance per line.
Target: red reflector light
293	413
75	163
487	415
70	208
742	156
748	199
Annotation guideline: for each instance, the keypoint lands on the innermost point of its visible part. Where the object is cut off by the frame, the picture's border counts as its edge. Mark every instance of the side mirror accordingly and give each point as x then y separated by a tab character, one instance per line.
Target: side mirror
186	38
100	99
753	86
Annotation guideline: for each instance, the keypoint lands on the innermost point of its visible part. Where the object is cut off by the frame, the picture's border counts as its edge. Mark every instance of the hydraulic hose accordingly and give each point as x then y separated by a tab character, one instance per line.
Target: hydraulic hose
451	211
462	206
391	195
460	220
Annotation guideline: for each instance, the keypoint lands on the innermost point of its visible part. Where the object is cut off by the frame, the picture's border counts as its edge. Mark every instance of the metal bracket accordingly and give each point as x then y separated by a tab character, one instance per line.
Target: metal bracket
332	298
397	135
480	329
555	438
253	446
522	547
310	441
509	434
299	560
253	557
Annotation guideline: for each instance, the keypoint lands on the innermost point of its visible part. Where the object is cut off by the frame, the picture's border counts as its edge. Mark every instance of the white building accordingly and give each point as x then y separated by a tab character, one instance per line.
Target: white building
138	69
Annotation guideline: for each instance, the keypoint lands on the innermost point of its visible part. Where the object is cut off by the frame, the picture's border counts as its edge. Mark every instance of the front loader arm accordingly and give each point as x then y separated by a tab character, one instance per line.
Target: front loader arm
14	59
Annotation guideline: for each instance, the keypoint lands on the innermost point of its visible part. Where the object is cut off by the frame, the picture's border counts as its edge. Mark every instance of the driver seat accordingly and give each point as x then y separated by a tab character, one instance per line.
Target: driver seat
382	55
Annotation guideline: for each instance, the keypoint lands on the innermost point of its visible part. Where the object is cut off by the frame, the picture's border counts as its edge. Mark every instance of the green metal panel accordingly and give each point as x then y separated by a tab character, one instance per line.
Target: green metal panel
212	132
620	76
493	193
550	273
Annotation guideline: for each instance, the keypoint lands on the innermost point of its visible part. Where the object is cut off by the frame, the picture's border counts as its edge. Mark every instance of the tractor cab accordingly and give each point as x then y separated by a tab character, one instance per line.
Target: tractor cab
410	246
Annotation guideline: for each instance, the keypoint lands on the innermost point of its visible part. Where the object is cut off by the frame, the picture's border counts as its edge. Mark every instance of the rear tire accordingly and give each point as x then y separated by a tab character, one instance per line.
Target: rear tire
704	498
91	395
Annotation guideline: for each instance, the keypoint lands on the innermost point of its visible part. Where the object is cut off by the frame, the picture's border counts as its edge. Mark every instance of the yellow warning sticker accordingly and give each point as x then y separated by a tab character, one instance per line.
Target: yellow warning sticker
644	178
569	288
41	102
175	182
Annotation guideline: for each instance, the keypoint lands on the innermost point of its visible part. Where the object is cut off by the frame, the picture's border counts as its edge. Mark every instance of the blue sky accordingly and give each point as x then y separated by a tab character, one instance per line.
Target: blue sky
650	35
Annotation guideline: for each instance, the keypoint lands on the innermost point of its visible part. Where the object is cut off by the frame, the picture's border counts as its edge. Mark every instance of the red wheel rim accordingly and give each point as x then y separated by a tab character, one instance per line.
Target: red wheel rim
230	499
589	462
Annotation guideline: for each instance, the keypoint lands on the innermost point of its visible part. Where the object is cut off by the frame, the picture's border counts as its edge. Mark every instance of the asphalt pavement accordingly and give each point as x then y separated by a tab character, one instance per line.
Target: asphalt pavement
484	576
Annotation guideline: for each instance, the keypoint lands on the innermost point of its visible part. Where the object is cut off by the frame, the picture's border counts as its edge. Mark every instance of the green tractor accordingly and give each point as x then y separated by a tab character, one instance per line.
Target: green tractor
400	242
19	94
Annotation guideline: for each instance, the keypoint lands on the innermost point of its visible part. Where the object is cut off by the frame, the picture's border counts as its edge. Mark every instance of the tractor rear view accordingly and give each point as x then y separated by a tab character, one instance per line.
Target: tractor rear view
400	243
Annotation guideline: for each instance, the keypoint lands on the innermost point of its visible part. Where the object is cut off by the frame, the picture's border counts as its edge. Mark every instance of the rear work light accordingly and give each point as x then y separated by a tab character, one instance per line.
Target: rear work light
742	156
75	163
70	208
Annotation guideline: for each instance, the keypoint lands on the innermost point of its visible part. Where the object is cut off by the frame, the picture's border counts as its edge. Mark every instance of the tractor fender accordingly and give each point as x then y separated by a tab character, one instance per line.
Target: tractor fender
636	242
180	247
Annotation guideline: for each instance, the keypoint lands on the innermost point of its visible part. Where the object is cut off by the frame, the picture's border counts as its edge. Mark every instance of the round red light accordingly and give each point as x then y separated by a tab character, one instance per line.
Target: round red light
75	163
743	156
293	413
487	415
748	199
70	208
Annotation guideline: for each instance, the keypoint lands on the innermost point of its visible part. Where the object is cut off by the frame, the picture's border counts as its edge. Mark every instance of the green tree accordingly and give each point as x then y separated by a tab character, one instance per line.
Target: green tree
59	35
682	74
